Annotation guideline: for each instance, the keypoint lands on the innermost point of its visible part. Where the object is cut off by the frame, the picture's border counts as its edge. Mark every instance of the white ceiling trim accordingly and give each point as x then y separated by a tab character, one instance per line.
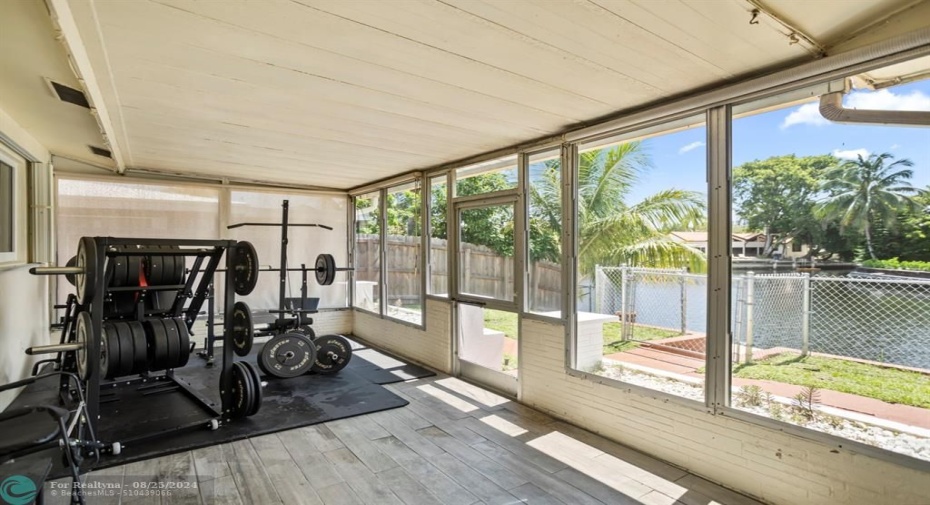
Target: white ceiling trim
63	20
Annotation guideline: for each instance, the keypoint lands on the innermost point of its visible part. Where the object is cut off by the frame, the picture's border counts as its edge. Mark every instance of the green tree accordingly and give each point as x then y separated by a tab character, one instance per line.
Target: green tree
777	195
612	230
491	227
866	191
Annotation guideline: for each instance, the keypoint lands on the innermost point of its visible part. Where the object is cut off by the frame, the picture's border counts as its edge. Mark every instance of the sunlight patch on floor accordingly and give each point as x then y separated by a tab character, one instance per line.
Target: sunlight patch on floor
482	396
448	398
503	425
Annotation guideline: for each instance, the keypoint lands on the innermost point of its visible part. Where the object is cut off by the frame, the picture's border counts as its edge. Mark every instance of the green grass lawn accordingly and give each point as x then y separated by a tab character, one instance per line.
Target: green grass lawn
613	344
887	384
505	322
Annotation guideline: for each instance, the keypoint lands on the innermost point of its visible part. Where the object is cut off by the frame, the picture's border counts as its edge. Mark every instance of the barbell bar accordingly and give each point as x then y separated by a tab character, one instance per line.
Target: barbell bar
324	269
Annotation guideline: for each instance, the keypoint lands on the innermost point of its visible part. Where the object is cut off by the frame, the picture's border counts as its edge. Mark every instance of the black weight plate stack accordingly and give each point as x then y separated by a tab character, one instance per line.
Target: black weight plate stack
333	353
242	390
158	344
325	269
184	341
119	305
256	388
243	329
287	355
245	267
140	359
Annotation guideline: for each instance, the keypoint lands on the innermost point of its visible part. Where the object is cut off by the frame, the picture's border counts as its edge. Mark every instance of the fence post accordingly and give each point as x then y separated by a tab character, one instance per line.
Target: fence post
806	315
750	300
598	295
624	301
684	302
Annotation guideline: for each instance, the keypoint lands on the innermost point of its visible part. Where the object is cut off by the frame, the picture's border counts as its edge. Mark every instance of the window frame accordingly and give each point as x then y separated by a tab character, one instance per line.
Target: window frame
421	259
19	220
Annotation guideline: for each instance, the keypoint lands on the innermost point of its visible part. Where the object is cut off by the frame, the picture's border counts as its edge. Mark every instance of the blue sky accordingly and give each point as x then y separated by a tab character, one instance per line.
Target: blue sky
679	158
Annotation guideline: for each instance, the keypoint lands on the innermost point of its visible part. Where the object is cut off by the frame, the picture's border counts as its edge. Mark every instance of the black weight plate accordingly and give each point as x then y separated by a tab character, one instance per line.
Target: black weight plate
71	262
154	266
288	355
243	329
175	271
325	269
118	267
174	342
241	391
158	343
307	331
333	353
126	349
184	339
256	388
245	268
133	266
105	351
86	283
83	333
112	337
140	360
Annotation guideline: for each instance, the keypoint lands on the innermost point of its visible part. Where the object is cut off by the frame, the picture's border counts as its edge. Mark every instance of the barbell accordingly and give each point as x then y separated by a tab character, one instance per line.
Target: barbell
81	270
247	268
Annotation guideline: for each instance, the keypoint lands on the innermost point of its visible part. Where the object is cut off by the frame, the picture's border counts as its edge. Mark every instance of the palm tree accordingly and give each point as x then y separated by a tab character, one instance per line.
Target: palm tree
612	230
866	191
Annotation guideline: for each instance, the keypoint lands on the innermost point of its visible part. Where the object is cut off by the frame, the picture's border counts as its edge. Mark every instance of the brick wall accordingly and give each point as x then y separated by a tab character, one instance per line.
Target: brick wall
432	347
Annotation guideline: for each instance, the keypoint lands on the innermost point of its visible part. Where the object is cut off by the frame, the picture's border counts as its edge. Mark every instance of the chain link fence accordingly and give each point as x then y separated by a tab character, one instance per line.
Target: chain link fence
884	320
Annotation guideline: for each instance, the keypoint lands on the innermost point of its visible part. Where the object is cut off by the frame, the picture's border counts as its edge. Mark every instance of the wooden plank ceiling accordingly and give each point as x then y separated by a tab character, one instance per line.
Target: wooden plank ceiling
340	93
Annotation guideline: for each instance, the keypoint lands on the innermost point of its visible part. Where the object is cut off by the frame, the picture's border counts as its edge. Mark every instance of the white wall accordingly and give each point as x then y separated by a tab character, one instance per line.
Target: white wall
24	313
432	347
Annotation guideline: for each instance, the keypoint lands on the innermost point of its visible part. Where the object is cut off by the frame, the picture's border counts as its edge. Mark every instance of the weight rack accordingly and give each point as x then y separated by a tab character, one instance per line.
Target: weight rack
207	256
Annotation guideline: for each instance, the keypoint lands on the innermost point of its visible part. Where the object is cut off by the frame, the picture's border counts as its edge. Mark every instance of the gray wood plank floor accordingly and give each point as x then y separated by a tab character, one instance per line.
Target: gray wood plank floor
455	444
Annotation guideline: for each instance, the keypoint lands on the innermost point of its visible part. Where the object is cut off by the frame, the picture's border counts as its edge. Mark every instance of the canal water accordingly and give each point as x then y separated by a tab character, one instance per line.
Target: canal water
868	319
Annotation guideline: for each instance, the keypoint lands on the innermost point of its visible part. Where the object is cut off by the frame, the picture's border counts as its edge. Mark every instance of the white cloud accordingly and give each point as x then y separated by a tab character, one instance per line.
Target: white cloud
690	147
808	113
895	146
851	154
884	99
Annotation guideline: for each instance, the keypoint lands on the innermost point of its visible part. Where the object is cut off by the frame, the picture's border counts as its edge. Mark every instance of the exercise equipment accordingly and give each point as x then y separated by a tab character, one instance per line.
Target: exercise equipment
245	272
287	355
333	353
243	329
120	340
291	314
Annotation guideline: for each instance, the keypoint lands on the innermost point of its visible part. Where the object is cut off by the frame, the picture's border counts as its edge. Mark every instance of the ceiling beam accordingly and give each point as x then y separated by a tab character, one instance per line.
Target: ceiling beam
63	20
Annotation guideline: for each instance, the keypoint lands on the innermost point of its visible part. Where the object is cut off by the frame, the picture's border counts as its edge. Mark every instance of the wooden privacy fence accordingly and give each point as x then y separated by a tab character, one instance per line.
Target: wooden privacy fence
486	273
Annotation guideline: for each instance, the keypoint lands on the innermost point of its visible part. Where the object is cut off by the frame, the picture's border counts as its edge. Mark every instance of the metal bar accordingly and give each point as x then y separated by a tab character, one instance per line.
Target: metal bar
285	223
53	348
282	286
178	308
93	346
719	169
806	315
750	301
56	270
140	289
226	378
206	280
111	241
